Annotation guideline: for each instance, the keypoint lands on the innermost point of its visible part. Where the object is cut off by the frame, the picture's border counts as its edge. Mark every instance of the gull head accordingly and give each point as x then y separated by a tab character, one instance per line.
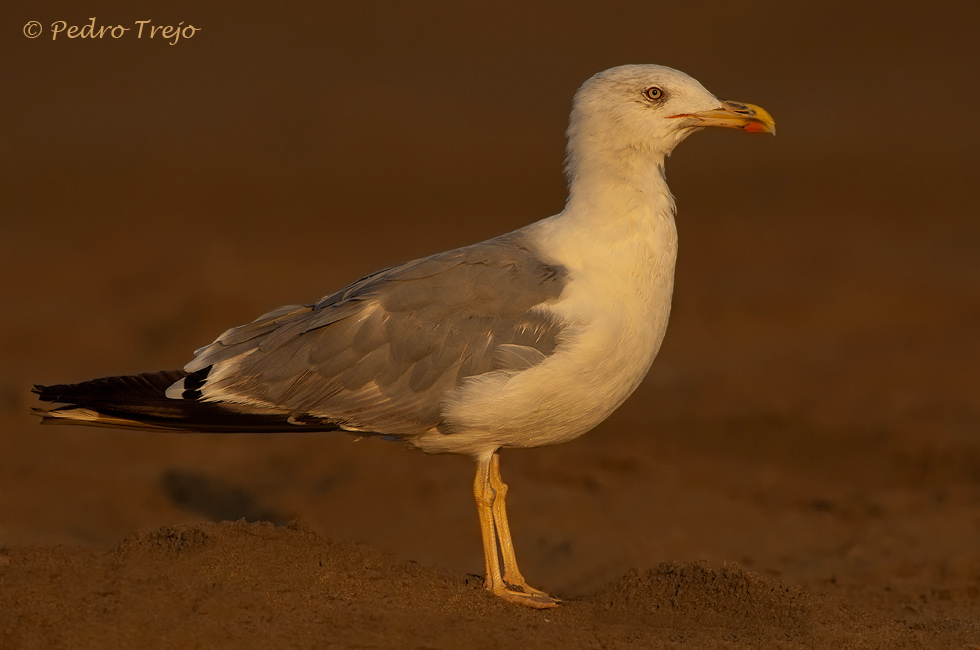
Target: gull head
637	109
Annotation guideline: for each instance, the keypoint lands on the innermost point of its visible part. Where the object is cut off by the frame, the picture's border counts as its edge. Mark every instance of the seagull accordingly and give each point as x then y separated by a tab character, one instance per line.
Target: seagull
528	339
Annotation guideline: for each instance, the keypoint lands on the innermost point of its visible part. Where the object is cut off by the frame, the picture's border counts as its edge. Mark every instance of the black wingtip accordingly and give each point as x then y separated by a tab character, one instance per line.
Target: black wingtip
140	402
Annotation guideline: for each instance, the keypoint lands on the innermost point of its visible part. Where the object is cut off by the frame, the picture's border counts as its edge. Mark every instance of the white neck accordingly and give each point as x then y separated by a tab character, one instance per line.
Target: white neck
615	185
618	204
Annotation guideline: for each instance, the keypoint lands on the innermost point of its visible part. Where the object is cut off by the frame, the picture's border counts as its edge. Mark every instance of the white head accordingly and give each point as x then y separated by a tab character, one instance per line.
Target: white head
648	110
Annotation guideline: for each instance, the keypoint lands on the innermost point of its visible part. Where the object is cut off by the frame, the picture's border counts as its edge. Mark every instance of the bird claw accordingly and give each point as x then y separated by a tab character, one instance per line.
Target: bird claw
528	589
526	596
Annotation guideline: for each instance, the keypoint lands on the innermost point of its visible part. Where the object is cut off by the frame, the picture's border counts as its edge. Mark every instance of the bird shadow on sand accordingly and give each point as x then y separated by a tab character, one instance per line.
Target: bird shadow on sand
216	499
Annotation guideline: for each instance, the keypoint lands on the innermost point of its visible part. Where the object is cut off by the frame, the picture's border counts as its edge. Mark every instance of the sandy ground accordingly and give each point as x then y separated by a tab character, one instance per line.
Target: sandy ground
801	469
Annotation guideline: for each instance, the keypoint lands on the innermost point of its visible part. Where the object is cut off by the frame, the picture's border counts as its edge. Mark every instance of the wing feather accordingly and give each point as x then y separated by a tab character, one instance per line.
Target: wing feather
380	355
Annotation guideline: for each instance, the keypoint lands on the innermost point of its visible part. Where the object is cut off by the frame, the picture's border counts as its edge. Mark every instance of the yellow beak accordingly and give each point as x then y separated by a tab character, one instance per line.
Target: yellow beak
735	115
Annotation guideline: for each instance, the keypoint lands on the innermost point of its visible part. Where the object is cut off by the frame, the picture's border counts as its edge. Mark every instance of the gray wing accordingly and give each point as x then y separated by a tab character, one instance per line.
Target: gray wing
380	355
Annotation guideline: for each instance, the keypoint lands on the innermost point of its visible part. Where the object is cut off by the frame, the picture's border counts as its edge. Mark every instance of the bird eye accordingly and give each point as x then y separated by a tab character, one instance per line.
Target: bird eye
654	93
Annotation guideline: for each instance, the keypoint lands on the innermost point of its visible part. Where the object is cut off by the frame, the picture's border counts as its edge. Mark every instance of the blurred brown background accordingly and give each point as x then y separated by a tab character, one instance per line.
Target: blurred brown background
814	411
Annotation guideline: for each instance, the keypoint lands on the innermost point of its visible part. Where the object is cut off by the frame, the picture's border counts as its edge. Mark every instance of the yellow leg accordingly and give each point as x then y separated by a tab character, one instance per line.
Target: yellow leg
484	508
512	574
491	493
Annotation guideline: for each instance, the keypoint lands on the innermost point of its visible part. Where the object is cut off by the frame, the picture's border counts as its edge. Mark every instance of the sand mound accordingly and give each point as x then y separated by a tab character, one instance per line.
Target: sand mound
252	585
727	606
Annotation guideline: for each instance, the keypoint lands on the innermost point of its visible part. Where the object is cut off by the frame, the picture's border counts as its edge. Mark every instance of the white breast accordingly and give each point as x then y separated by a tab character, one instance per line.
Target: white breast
615	308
